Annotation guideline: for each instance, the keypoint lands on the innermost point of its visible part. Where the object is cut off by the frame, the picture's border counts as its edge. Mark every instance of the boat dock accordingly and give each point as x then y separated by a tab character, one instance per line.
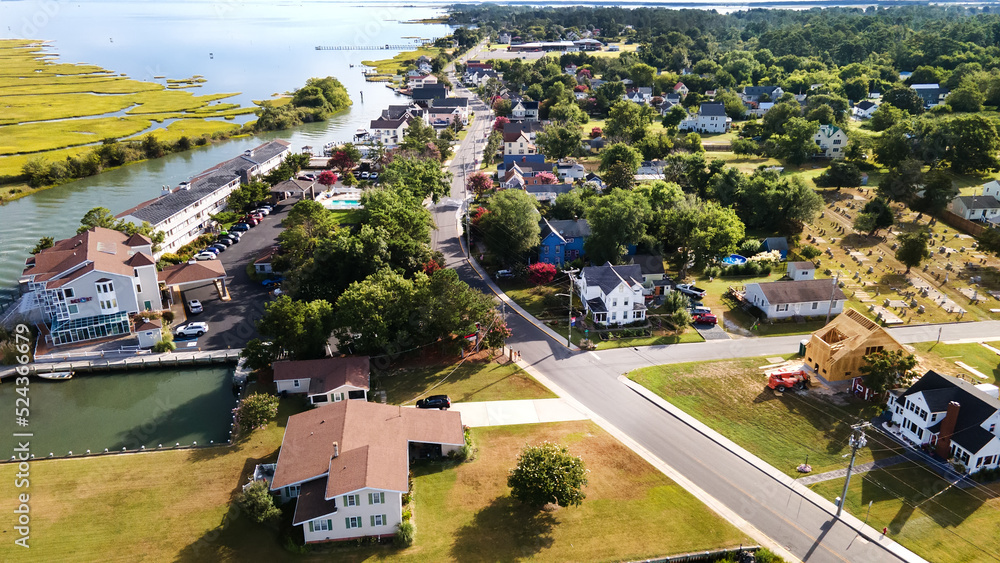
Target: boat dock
134	362
386	47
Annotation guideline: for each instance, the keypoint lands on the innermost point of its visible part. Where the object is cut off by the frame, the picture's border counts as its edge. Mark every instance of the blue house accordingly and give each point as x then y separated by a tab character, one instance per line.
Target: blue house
562	241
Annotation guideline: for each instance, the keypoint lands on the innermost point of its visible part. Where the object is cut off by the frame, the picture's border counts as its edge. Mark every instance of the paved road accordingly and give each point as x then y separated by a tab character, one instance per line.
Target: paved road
806	530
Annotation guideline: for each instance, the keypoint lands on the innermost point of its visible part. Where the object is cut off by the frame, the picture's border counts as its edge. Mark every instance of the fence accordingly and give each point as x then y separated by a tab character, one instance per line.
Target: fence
961	223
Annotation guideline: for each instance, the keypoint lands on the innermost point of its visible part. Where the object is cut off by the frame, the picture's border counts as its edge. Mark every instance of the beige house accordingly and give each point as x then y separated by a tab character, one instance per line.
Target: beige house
837	350
327	380
348	463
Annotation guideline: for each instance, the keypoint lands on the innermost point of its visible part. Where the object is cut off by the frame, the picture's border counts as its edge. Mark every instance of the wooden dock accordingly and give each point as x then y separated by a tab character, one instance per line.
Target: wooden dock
135	362
386	47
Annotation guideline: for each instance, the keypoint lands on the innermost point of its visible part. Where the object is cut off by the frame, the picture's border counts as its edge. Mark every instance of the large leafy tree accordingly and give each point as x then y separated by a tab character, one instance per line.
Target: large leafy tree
701	230
901	183
912	249
307	223
939	190
479	183
904	98
619	163
422	177
510	228
616	221
628	121
559	141
886	116
102	217
973	143
568	113
548	474
840	174
258	503
885	370
299	328
797	144
345	159
875	216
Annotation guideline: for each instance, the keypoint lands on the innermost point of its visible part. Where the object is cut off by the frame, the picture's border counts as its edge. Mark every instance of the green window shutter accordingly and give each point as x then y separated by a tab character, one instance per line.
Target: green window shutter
369	498
310	526
381	497
373	519
345	500
384	520
347	522
329	524
359	521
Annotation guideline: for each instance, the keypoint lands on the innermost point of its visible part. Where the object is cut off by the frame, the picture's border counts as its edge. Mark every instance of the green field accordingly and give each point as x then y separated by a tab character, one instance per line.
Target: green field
398	63
470	382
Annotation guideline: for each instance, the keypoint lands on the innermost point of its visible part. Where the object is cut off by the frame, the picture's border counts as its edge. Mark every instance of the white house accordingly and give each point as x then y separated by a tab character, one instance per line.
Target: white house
802	298
752	94
422	80
569	171
760	109
801	270
86	287
958	419
148	331
524	111
388	131
460	104
347	465
831	141
711	118
504	38
975	207
612	293
184	213
864	109
327	380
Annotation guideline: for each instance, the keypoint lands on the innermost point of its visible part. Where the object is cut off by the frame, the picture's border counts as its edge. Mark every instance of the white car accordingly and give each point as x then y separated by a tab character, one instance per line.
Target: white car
192	329
194	306
204	256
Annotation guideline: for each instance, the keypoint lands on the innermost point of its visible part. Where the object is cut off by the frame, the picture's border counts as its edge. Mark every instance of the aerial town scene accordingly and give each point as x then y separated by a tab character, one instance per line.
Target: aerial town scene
507	281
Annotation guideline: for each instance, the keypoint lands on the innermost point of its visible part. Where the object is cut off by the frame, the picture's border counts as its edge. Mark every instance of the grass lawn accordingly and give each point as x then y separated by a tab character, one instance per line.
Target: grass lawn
470	382
398	63
346	216
942	357
732	398
938	522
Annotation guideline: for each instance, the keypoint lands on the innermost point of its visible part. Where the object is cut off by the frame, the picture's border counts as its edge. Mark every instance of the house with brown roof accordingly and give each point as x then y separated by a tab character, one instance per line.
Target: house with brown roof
327	380
837	351
347	465
87	287
518	143
796	298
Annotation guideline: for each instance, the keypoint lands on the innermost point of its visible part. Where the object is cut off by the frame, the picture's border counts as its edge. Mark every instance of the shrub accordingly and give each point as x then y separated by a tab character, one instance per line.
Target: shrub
765	555
713	271
407	514
404	534
547	473
749	247
164	346
541	273
810	252
258	503
255	411
167	316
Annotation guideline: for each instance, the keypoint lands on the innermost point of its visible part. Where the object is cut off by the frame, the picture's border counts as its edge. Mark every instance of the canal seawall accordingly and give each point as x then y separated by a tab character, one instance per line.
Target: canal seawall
102	364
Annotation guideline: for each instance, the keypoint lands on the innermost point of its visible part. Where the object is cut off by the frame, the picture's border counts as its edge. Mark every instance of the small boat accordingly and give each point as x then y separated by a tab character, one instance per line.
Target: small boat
56	375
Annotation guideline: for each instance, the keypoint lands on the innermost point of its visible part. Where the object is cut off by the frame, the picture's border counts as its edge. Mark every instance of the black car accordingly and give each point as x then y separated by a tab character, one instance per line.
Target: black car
224	241
435	402
240	227
219	247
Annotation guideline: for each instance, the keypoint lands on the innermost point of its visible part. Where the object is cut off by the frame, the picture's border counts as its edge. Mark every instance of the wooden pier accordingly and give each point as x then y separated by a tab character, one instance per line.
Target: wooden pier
386	47
135	362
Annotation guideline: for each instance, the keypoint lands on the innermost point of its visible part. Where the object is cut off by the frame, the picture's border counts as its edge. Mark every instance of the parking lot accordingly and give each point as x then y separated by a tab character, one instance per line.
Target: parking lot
231	323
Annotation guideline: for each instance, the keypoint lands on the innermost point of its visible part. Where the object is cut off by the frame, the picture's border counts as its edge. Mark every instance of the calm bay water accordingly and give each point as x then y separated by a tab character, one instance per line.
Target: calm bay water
257	49
126	409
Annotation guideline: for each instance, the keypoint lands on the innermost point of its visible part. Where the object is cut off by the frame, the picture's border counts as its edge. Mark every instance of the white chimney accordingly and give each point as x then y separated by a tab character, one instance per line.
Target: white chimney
336	449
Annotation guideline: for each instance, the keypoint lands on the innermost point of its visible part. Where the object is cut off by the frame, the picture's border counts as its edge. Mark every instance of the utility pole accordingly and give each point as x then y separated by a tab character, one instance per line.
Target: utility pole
569	319
858	440
833	292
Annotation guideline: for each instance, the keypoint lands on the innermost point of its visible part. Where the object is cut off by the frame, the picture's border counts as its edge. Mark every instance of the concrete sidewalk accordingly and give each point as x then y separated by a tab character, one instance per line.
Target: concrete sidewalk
502	413
858	469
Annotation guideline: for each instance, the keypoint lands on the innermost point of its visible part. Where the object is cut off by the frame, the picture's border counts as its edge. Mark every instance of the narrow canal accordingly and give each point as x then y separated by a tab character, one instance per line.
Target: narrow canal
126	410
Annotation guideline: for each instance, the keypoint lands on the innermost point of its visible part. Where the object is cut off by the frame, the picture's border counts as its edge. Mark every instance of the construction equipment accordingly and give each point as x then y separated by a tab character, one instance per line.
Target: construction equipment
788	377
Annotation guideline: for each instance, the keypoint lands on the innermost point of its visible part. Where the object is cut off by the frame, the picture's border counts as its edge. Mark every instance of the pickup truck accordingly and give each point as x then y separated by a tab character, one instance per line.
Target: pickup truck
690	289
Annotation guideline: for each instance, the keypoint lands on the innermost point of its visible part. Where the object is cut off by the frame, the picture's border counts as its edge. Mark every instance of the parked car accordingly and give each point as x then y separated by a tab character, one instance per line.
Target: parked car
690	289
272	281
435	402
267	207
225	241
218	246
258	216
364	175
700	310
192	329
504	274
705	318
261	211
204	256
250	221
233	236
373	176
240	227
194	306
215	251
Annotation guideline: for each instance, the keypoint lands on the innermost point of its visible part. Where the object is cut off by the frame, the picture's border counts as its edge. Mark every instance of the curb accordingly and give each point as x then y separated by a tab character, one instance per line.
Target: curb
848	519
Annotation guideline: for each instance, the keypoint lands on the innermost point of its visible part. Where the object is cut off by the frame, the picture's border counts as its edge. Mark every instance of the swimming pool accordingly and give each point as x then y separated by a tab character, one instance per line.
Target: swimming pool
734	259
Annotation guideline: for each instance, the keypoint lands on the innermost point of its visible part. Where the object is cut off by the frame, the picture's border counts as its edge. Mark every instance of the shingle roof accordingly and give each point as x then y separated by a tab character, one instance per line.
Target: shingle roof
429	92
535	189
976	407
713	109
155	211
382	123
371	445
865	105
326	374
450	102
565	228
649	264
105	250
800	291
608	277
979	201
758	90
189	272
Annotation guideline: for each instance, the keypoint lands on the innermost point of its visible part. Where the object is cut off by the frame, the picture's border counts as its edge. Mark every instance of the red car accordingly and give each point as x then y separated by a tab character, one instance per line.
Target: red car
705	318
251	220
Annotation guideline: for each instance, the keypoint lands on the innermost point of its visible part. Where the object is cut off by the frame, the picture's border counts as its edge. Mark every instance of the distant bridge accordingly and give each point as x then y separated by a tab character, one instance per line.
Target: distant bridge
386	47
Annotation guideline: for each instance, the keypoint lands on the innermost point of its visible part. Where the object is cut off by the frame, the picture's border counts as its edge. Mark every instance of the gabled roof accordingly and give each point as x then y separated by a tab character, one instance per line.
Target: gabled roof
450	103
535	189
100	249
649	264
357	444
565	228
526	126
851	331
326	374
191	272
827	131
756	91
800	291
608	277
382	123
802	265
429	92
976	406
979	201
865	105
717	109
514	136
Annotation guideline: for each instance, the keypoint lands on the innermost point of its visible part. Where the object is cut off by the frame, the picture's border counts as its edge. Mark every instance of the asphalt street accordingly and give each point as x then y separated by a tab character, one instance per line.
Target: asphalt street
805	529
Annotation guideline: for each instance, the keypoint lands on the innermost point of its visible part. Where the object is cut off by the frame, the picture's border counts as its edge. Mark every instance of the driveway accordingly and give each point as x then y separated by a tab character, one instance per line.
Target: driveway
711	331
232	323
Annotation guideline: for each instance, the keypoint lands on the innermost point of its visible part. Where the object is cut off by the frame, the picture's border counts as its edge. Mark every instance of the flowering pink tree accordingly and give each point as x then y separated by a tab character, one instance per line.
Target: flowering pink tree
596	132
541	273
479	184
499	122
327	178
547	178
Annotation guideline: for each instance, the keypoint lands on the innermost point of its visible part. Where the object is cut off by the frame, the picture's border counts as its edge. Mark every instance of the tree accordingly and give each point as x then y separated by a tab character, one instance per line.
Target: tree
972	144
416	136
701	230
327	178
569	205
258	354
886	369
692	142
248	196
510	228
904	98
966	99
559	141
568	113
912	248
547	473
479	183
619	163
797	144
255	411
675	115
547	178
628	121
541	273
422	177
886	116
502	107
499	122
617	220
349	180
745	147
97	217
345	159
43	243
300	328
258	503
939	190
875	215
840	174
894	146
900	184
675	305
596	132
